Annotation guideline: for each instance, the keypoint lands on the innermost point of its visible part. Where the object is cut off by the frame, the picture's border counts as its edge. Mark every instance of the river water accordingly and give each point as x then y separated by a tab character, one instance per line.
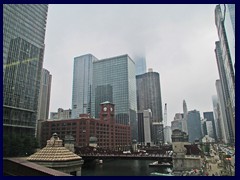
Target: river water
121	167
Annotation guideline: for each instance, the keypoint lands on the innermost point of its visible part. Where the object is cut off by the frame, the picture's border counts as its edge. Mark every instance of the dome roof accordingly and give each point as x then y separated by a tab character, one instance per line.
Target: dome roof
54	151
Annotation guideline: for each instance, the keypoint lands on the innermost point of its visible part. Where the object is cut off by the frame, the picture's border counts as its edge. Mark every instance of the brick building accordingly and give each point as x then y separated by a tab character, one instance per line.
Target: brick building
109	134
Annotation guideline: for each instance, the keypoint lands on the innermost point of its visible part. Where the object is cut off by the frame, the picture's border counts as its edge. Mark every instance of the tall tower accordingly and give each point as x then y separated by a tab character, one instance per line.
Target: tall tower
149	94
44	95
194	126
165	115
225	54
24	28
82	84
185	117
140	63
114	81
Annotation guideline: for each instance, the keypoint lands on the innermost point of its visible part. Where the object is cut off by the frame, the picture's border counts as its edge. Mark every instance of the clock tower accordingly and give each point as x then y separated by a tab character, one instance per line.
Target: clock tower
107	111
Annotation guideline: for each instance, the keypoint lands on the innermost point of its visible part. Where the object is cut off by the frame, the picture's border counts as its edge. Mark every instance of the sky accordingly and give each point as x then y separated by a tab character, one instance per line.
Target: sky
178	42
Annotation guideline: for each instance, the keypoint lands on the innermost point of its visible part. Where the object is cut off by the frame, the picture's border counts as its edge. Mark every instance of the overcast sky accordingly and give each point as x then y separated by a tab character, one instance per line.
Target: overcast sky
178	42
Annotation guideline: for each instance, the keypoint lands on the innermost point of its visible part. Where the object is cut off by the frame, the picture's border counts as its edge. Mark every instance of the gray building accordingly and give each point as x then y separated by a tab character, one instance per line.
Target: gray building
144	127
61	114
194	126
210	117
24	28
216	113
223	114
114	81
225	53
149	94
44	95
82	85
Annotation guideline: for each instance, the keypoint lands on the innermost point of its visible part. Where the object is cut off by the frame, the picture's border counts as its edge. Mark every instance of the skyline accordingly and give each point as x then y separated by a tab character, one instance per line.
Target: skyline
172	44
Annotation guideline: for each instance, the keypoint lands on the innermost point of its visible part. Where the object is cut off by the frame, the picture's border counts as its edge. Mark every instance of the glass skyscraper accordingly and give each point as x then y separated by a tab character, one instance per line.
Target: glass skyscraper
140	63
82	85
225	54
24	28
114	81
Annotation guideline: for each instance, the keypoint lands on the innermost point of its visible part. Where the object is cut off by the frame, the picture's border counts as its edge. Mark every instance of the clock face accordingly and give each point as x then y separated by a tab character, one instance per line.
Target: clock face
105	108
111	109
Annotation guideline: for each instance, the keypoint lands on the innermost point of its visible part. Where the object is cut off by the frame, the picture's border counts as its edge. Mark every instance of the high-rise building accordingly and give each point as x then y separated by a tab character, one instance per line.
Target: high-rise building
194	126
44	95
177	123
209	117
225	53
223	113
185	113
144	127
114	81
167	134
140	63
24	28
149	94
216	113
224	92
82	85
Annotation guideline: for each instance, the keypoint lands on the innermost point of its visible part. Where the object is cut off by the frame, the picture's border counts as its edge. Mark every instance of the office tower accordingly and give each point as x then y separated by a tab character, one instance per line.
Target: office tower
44	95
157	133
225	52
82	84
207	128
177	123
209	117
194	126
149	94
223	113
24	28
216	113
140	64
144	127
114	81
225	93
167	134
185	112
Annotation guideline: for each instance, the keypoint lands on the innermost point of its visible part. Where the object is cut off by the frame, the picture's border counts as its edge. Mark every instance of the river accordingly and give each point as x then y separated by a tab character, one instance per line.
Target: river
121	167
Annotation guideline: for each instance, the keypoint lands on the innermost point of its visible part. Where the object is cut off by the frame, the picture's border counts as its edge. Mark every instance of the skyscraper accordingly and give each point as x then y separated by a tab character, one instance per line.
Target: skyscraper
44	95
140	63
114	81
209	116
82	85
185	114
149	94
225	54
216	113
194	126
223	113
144	127
24	28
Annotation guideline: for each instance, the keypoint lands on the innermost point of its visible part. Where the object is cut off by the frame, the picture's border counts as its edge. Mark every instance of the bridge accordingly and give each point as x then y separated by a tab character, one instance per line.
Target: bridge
159	157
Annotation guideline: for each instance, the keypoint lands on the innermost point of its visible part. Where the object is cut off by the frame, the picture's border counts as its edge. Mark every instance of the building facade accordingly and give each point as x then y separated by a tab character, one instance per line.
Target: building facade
114	81
109	134
149	94
144	127
225	23
24	28
82	85
44	95
167	134
140	63
210	117
194	126
61	114
216	113
224	126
